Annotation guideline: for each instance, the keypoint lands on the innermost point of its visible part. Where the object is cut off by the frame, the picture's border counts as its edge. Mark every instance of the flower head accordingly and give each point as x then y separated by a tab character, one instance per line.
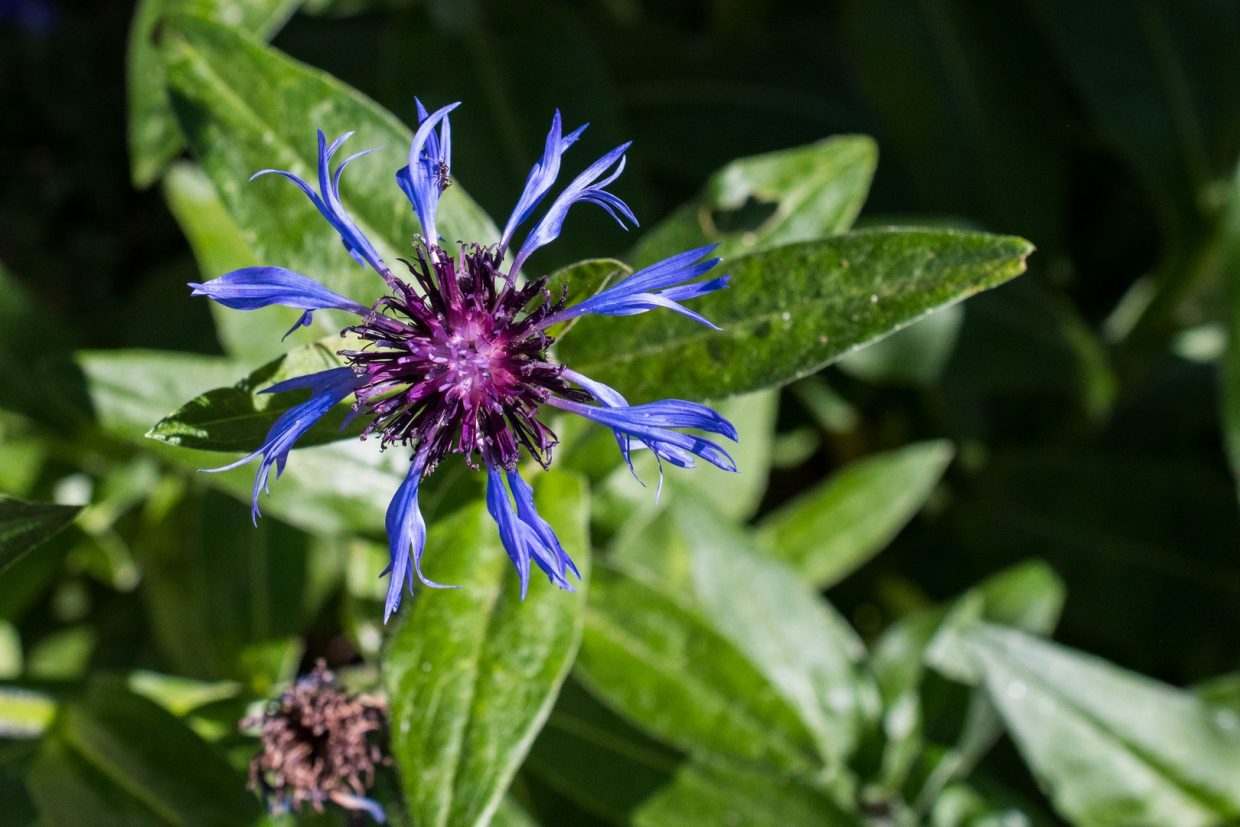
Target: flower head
455	359
317	747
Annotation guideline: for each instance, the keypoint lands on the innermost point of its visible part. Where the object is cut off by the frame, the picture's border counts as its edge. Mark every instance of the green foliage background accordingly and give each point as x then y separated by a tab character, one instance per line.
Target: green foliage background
979	567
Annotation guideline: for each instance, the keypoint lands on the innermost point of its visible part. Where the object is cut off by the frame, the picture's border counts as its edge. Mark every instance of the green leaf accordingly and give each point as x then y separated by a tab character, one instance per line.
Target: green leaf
128	390
667	670
833	529
810	654
809	192
473	673
791	310
598	760
237	418
246	107
24	526
722	794
116	758
154	138
949	725
1113	747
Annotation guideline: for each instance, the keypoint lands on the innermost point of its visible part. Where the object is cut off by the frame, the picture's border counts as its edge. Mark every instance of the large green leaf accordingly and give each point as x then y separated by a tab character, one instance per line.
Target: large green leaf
809	192
793	638
473	673
831	530
790	310
23	526
655	660
154	138
598	760
116	758
246	107
1113	747
722	794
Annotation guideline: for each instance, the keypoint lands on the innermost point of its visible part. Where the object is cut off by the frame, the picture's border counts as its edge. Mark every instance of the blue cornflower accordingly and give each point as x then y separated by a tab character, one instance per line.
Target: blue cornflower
455	357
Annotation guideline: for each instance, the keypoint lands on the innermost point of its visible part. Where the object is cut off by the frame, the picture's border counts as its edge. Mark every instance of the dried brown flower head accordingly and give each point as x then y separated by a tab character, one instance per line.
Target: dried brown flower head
318	746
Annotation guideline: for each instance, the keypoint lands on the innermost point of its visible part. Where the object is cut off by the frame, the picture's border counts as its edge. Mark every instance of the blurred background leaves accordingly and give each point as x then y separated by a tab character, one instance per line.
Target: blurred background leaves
1050	457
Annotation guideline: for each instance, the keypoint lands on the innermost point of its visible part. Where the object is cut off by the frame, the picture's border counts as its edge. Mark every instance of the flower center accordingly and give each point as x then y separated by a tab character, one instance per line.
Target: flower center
460	364
474	361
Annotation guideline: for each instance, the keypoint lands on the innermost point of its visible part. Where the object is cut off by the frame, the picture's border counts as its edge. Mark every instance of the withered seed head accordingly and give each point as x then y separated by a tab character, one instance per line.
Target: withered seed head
317	746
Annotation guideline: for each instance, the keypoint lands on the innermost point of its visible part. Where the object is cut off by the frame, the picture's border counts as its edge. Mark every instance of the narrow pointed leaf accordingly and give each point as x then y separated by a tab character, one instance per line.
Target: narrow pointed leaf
673	675
791	310
831	530
237	418
797	194
799	643
1112	747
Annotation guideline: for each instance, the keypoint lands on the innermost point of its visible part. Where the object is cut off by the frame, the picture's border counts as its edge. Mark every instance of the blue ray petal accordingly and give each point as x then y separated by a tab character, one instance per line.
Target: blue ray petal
327	202
330	387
